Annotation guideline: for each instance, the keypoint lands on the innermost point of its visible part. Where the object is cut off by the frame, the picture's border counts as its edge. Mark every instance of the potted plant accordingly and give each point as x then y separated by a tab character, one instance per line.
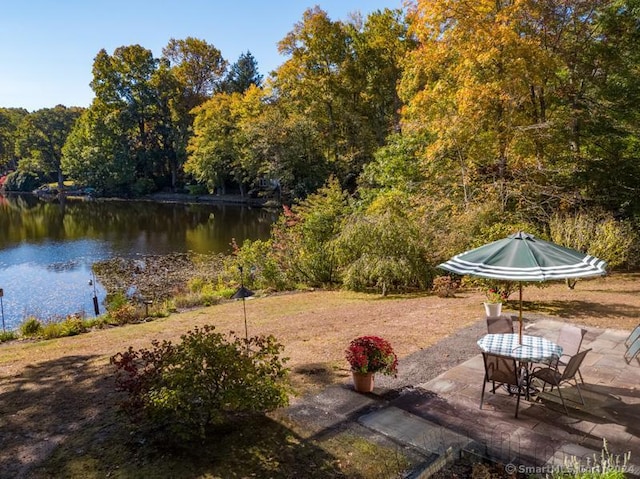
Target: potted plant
493	305
368	355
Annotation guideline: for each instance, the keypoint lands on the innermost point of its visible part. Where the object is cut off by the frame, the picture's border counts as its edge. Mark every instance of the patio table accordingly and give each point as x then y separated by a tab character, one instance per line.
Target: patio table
533	349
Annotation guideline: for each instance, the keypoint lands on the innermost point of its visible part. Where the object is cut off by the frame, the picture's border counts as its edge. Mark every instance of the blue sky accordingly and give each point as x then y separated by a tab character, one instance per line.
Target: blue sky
47	47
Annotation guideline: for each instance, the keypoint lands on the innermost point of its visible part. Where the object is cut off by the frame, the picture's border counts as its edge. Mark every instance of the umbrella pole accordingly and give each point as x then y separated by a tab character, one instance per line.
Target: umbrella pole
246	330
520	315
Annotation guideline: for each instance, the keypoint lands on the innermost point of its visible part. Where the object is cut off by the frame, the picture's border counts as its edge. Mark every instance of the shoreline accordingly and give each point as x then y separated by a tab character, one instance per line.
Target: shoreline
211	199
182	198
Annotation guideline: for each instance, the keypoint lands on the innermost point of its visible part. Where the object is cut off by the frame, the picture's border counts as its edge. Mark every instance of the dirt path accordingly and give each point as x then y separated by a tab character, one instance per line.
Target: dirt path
50	389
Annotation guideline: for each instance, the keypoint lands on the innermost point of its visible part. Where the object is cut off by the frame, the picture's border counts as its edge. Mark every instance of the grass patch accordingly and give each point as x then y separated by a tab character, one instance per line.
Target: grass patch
259	448
359	457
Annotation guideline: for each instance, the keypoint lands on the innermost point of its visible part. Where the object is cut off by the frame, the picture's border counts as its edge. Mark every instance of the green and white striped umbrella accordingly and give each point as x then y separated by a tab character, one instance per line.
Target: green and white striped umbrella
524	258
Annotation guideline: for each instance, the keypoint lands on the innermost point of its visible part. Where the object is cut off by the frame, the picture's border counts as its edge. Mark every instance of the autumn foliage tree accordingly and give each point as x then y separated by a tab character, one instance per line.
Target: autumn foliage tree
514	94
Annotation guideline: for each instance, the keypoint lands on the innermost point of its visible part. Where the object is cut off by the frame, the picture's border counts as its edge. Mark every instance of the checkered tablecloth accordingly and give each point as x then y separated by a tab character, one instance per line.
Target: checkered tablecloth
533	348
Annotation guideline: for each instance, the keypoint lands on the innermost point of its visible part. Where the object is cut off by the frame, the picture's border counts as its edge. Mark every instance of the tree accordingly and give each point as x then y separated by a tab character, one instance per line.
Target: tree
40	138
141	103
195	71
172	127
515	95
197	65
603	102
395	167
220	149
342	77
304	236
213	154
383	248
10	119
242	75
469	84
97	153
123	86
379	48
287	148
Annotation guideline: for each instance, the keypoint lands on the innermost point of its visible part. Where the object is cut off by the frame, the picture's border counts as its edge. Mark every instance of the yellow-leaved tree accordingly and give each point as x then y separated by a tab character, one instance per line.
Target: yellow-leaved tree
477	84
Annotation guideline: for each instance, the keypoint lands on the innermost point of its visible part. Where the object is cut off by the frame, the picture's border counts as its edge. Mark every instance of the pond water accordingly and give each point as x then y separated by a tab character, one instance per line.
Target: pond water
47	248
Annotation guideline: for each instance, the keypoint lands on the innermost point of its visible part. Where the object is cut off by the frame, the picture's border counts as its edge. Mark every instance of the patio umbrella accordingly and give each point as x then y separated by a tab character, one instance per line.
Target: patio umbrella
522	257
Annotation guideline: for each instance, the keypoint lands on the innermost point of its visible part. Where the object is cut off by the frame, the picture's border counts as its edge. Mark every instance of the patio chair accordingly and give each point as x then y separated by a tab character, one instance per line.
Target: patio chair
635	334
552	376
570	338
501	370
499	325
632	351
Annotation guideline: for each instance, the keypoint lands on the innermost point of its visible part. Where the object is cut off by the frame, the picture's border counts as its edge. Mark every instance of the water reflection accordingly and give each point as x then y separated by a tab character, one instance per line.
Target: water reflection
47	249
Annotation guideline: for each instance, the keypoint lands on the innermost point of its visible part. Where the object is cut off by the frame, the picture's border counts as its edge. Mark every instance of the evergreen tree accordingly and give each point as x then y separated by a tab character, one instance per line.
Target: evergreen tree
242	75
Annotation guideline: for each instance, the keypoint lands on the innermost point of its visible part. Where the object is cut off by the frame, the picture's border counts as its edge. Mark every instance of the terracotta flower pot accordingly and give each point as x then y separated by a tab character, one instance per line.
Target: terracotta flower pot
363	382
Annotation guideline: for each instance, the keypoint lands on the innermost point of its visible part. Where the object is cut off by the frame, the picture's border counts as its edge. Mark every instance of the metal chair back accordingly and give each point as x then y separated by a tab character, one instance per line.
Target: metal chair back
552	376
570	338
499	325
573	366
632	351
635	334
501	370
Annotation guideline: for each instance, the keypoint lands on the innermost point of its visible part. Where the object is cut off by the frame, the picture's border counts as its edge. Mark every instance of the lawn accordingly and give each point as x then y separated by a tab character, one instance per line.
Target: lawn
59	416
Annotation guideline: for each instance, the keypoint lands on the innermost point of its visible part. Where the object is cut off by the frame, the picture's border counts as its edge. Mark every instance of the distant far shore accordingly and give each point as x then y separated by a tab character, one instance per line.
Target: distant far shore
164	198
219	199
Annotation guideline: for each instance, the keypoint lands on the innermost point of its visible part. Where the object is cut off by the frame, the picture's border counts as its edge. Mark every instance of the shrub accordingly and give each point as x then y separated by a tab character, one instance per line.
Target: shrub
302	238
194	299
598	234
197	189
7	336
144	186
383	249
178	392
261	269
98	323
445	287
201	292
50	331
197	284
496	290
120	310
31	328
70	326
123	314
21	181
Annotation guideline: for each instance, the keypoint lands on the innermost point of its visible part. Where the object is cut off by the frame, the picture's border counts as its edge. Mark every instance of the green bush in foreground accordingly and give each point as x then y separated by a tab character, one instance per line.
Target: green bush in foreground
176	393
